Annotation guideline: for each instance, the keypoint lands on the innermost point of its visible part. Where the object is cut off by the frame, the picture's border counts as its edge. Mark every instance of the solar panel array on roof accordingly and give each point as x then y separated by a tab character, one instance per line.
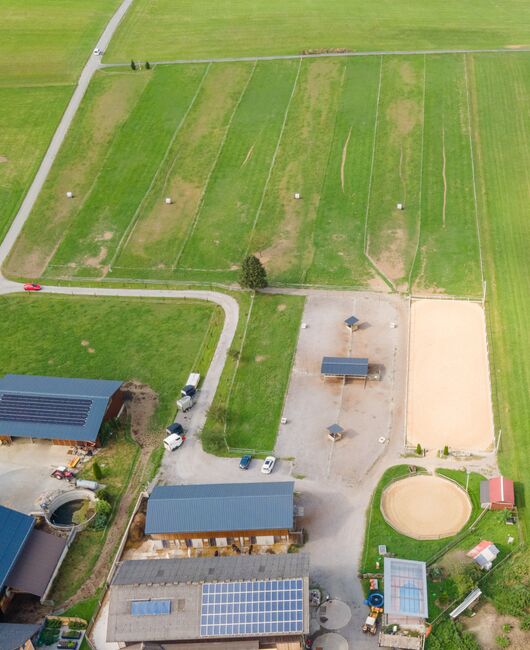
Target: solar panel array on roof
50	410
150	607
344	366
53	407
252	608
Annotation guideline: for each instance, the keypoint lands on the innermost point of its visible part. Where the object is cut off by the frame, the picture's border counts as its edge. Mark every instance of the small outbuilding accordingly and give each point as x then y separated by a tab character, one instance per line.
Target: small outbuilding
497	493
406	598
335	432
352	323
484	554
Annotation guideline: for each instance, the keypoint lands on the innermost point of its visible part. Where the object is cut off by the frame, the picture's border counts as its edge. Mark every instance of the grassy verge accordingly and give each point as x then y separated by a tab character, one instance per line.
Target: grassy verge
250	396
117	460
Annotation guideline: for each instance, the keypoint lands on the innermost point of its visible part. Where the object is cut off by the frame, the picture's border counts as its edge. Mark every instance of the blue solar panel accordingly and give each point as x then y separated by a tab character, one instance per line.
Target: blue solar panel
252	608
150	607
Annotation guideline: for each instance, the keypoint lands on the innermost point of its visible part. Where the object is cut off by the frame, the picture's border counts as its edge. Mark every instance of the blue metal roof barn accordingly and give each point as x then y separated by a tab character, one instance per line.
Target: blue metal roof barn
54	407
15	528
220	507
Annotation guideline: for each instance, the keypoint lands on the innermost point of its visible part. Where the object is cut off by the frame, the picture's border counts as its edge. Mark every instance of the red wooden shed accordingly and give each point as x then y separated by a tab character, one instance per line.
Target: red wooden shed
497	493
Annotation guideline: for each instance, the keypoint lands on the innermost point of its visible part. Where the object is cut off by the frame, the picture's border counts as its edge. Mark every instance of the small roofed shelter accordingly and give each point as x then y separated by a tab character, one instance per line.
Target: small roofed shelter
406	597
352	323
497	493
28	557
66	411
484	554
335	432
208	599
347	367
18	636
221	514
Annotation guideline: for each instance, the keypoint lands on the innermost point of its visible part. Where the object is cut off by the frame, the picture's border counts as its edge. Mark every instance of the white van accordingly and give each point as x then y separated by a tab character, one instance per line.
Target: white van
173	441
185	403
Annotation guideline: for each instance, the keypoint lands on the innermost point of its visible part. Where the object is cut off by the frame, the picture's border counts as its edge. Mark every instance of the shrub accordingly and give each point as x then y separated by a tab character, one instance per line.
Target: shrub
133	65
103	512
419	450
502	641
446	450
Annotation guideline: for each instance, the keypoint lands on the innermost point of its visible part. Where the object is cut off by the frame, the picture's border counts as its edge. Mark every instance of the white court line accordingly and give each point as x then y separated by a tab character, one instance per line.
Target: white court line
132	223
273	159
472	158
421	174
372	164
214	165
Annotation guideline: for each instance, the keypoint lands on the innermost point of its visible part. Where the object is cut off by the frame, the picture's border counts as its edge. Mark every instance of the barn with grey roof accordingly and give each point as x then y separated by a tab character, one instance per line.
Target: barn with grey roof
221	514
211	599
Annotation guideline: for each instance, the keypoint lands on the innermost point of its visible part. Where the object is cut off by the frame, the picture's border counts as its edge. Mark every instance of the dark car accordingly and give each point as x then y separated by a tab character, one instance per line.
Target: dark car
175	427
244	463
188	391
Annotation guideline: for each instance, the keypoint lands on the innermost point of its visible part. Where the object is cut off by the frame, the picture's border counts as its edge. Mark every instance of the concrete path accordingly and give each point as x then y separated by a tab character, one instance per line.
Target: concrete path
90	68
323	55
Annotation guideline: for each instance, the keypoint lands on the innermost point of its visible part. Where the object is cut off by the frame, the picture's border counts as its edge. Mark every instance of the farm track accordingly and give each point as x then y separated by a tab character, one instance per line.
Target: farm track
324	55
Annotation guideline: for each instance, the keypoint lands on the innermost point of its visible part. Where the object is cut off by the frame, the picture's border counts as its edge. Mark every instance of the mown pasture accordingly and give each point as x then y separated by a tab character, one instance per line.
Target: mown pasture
230	144
48	41
165	29
501	126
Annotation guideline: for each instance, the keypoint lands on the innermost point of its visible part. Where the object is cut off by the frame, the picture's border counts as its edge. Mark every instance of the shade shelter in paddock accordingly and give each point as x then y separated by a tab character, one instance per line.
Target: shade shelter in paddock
347	367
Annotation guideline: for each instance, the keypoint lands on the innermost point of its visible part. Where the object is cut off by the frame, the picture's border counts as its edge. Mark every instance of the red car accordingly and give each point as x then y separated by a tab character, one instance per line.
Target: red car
32	286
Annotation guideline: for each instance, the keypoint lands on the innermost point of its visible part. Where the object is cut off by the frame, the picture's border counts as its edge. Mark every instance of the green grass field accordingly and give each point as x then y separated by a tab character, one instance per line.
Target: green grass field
501	95
109	338
165	29
230	144
48	41
248	404
28	117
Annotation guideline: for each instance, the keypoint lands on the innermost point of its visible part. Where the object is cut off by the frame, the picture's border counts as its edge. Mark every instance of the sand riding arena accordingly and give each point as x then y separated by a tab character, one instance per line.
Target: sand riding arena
448	397
426	507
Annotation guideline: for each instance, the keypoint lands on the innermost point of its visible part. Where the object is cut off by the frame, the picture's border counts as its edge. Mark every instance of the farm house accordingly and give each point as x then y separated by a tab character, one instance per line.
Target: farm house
66	411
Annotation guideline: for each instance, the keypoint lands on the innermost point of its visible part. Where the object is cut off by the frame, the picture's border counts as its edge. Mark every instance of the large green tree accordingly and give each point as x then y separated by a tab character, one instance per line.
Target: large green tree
253	274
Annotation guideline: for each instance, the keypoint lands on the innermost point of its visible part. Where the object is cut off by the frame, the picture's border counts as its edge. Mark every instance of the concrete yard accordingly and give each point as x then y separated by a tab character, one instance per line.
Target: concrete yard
25	469
367	410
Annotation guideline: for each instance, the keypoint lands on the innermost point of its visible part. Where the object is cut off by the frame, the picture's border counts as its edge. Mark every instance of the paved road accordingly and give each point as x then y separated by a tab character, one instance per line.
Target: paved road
321	55
90	68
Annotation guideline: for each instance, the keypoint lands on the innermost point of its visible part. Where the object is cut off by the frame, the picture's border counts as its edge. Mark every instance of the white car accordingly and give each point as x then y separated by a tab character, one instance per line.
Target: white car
268	465
98	52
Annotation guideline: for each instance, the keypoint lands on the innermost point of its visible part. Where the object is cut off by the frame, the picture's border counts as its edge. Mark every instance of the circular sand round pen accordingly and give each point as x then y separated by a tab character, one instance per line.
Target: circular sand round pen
426	507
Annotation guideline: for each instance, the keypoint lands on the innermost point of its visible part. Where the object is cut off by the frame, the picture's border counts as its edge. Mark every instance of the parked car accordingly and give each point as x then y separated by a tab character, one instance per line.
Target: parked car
62	473
174	441
98	51
175	427
268	465
244	463
185	403
32	286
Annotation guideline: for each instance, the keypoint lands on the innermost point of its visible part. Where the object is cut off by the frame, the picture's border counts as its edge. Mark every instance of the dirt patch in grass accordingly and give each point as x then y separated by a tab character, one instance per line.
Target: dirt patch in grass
3	159
404	115
281	307
408	74
391	261
95	262
343	160
260	357
248	156
488	624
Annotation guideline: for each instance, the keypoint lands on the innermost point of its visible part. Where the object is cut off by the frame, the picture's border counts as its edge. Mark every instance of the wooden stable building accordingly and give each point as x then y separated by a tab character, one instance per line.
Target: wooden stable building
220	515
65	411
